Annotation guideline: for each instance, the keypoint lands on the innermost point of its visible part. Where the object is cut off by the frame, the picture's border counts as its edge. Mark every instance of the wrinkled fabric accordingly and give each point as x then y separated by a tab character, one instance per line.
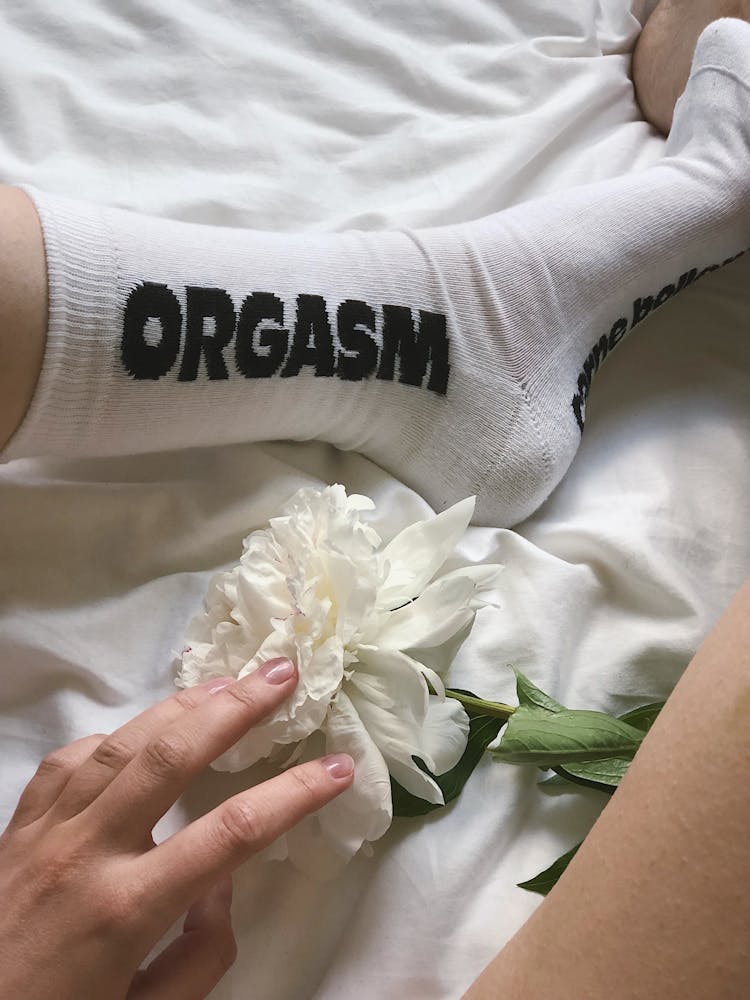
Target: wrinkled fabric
325	116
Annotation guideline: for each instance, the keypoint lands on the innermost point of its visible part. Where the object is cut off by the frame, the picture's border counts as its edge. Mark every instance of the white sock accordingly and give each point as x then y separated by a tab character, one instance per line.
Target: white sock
458	358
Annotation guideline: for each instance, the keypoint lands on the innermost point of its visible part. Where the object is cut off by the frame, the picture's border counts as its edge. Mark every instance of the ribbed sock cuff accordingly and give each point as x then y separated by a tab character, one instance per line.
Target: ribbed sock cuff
82	284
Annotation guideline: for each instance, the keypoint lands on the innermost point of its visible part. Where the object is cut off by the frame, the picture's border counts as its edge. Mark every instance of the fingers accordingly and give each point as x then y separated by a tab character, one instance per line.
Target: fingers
52	776
180	867
137	798
190	967
116	751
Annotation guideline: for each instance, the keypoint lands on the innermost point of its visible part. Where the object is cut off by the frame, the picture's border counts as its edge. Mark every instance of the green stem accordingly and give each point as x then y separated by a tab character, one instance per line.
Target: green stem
482	707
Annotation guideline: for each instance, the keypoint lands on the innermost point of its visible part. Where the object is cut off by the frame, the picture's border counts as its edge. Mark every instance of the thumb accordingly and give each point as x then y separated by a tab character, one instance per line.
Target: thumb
190	967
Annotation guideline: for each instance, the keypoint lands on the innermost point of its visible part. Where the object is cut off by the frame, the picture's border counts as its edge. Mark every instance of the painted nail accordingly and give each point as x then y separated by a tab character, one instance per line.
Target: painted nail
338	765
278	670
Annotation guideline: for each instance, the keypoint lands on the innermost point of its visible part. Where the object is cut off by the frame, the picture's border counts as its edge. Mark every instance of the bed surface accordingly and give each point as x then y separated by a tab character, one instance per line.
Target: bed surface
282	115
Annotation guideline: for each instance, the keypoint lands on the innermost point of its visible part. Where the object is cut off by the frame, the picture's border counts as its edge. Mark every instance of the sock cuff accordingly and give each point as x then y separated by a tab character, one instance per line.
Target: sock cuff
82	288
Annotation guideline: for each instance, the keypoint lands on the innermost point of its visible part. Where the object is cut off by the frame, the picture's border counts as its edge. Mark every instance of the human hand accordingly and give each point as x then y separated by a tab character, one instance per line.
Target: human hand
86	892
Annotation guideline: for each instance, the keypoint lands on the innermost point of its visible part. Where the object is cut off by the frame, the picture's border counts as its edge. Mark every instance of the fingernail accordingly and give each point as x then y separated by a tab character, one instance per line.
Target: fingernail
338	765
218	684
277	671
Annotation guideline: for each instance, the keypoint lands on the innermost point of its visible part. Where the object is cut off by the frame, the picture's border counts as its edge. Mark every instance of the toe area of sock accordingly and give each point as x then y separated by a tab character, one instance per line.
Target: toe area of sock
711	124
724	45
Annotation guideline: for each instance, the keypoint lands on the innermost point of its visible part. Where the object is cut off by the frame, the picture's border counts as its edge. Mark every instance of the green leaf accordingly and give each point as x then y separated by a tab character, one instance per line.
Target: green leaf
643	718
604	775
544	881
482	731
537	736
480	706
530	695
566	782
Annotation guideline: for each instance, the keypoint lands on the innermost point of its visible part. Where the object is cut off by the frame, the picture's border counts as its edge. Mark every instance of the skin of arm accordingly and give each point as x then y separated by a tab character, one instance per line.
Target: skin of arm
655	902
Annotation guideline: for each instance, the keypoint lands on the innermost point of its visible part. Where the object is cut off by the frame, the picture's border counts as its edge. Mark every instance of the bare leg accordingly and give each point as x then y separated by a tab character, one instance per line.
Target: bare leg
23	307
662	57
655	903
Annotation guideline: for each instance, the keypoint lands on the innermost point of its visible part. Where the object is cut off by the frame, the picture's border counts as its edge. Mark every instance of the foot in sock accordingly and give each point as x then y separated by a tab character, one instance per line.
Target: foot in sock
664	52
458	358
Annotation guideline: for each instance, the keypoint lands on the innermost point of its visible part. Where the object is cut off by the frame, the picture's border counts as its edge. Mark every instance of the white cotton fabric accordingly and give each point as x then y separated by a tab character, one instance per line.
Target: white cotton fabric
326	116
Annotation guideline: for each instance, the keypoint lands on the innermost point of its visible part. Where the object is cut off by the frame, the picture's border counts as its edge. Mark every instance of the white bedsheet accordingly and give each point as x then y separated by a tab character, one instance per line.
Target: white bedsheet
279	114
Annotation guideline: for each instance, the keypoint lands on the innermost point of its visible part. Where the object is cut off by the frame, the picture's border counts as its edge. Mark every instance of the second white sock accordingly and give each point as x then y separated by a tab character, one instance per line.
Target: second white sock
458	358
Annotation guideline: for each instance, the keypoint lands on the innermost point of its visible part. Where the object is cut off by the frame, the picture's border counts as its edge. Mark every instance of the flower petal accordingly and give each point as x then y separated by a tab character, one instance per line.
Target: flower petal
300	715
445	733
418	552
277	643
354	586
395	734
262	592
443	740
438	659
416	782
357	501
313	587
364	811
391	678
486	578
439	742
444	608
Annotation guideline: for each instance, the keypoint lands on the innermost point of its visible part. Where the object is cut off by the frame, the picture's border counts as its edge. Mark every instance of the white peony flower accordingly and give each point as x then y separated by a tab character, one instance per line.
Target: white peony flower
316	587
